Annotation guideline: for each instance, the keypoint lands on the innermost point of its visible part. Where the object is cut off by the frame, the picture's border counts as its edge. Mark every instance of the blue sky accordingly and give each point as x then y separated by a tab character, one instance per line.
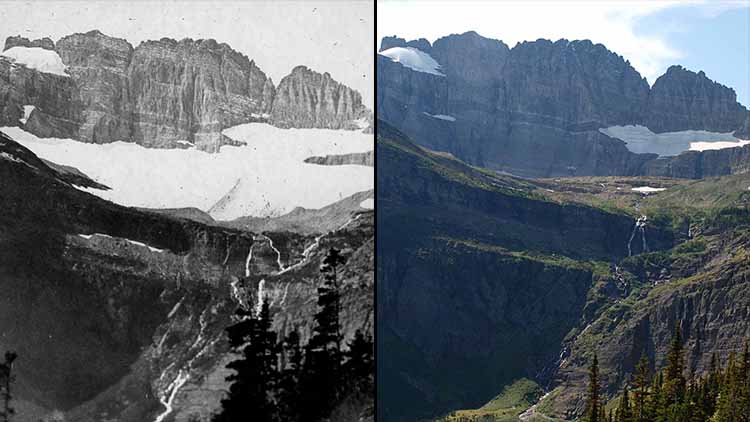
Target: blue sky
712	36
715	41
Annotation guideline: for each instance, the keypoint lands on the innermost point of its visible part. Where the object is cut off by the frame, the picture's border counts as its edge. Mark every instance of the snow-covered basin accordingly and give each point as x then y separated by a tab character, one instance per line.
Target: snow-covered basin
640	139
267	177
414	59
37	58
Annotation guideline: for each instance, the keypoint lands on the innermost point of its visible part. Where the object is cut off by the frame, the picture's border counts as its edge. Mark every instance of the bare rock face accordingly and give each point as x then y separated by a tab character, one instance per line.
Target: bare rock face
308	99
165	91
57	107
700	164
681	100
99	65
534	110
191	90
19	41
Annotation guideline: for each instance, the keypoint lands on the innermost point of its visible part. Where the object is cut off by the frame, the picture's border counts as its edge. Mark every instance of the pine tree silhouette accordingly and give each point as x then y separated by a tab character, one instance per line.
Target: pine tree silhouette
6	379
594	409
321	379
252	392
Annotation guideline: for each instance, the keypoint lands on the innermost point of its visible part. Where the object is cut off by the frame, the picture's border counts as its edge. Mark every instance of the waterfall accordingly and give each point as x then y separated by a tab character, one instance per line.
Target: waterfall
172	390
640	226
261	297
247	261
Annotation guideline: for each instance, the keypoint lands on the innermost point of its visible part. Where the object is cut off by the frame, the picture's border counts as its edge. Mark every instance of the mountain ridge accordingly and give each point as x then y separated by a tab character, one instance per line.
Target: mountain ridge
163	91
534	109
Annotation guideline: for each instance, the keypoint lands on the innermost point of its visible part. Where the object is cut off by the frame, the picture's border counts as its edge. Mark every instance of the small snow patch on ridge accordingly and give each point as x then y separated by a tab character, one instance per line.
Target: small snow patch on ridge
37	58
413	58
368	203
441	116
133	242
27	110
647	189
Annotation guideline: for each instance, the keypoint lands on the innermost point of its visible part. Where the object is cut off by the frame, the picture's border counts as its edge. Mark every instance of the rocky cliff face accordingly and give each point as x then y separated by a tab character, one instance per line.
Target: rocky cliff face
164	91
697	165
681	99
589	264
308	99
480	277
533	110
134	304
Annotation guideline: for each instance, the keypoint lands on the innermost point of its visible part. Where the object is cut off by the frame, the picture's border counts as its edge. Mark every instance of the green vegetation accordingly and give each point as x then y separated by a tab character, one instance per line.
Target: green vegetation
505	407
720	395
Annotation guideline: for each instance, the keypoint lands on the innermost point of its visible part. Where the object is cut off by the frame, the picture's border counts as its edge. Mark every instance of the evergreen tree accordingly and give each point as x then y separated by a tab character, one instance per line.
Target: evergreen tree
674	384
289	383
359	365
624	412
321	378
726	405
594	408
6	379
251	394
641	382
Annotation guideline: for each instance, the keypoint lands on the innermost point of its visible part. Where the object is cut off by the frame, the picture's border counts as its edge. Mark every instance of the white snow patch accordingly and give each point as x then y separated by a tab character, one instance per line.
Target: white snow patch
37	58
188	143
133	242
368	204
273	177
362	123
27	109
648	189
704	146
441	116
413	58
640	139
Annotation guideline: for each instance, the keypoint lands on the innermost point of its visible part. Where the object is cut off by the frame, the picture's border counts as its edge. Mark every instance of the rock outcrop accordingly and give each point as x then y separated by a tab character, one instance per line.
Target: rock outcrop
479	277
165	91
19	41
308	99
681	100
534	110
700	164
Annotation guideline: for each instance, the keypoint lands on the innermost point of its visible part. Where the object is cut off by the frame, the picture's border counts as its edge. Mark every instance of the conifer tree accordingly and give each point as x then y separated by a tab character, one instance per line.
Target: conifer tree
321	380
624	412
6	379
254	379
641	382
289	383
359	365
594	408
673	388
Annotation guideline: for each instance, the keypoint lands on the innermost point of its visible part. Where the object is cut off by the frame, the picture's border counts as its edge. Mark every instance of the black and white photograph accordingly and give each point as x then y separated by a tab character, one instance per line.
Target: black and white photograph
186	211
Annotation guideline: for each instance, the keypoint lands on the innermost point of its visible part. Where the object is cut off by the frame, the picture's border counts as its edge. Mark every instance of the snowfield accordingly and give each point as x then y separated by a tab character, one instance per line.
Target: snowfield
37	58
414	59
648	189
267	177
640	139
367	204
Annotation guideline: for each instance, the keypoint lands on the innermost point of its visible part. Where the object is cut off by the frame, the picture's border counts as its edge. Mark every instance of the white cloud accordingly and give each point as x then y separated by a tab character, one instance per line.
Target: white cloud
609	23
